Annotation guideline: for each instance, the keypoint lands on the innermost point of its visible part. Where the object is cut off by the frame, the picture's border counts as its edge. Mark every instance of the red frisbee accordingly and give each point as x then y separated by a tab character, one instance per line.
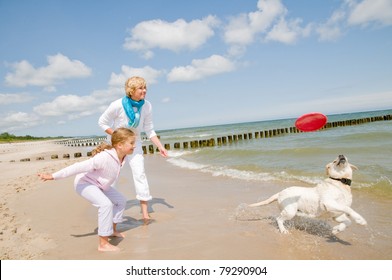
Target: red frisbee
311	122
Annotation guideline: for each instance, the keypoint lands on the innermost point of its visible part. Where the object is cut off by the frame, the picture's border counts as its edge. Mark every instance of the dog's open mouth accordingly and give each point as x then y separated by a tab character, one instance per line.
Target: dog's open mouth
342	159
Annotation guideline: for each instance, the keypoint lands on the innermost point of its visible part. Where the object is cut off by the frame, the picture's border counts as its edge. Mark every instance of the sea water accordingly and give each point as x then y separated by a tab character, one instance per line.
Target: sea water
297	158
300	159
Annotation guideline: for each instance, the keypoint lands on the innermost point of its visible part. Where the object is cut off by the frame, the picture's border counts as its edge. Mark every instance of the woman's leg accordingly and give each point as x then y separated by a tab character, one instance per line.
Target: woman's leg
142	188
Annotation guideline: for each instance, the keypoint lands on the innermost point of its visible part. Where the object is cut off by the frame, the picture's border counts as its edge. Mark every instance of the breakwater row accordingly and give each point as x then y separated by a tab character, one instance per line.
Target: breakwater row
82	142
223	140
211	142
87	143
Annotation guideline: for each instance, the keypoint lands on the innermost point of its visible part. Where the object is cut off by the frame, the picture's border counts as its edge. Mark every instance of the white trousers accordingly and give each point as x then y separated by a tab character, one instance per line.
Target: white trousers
136	162
111	205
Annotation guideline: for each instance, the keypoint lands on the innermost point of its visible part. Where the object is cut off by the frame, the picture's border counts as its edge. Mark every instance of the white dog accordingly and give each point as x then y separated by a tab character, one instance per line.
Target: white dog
333	195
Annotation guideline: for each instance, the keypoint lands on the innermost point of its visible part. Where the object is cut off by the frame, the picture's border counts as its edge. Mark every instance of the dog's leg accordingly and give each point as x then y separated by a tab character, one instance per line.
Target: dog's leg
287	214
343	221
358	218
335	207
280	222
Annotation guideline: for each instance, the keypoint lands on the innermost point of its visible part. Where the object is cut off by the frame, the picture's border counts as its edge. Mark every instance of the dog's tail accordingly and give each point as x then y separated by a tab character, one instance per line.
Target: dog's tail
265	202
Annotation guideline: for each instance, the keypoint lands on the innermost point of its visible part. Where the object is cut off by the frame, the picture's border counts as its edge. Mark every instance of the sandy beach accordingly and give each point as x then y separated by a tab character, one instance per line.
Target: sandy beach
196	216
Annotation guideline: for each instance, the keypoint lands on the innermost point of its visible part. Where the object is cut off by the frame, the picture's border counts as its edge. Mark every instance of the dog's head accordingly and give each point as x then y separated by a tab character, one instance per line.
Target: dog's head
340	168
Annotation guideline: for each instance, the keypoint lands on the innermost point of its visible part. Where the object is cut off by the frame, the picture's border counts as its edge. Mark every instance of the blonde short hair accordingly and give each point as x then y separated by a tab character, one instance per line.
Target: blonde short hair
134	83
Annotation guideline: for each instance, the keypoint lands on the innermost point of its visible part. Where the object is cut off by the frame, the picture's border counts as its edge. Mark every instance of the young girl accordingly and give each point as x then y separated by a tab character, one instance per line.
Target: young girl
94	179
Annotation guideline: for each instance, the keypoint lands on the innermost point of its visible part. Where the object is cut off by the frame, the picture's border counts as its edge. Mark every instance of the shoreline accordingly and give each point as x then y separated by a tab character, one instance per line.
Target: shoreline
196	217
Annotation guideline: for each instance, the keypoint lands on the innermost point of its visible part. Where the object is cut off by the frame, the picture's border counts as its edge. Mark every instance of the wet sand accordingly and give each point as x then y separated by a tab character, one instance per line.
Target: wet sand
196	216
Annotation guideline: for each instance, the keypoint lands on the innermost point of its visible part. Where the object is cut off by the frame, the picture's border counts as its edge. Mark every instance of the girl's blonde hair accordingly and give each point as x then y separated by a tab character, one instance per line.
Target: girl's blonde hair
134	83
120	135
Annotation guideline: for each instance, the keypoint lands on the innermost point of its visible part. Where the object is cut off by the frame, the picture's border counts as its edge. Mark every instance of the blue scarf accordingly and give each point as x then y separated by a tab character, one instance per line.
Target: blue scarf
128	104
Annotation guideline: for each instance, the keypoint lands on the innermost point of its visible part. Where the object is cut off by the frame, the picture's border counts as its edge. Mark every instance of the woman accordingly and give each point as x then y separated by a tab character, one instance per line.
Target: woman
135	112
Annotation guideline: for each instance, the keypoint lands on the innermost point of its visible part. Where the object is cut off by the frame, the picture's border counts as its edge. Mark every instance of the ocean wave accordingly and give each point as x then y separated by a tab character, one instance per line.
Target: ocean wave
220	171
292	159
239	174
180	153
246	175
381	186
367	137
179	162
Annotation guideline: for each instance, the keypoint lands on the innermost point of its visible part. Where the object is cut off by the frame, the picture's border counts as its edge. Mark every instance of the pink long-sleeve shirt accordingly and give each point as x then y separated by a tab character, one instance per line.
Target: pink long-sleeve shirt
102	170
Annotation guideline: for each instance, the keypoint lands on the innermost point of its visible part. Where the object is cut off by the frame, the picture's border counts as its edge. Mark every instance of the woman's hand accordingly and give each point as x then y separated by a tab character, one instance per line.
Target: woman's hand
163	152
158	143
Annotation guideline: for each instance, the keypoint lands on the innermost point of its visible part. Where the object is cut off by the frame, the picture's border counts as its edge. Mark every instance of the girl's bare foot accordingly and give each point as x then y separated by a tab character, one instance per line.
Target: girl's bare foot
108	248
118	234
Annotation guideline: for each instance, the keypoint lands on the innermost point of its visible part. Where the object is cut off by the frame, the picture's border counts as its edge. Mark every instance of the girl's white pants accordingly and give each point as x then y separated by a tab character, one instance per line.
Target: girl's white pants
111	205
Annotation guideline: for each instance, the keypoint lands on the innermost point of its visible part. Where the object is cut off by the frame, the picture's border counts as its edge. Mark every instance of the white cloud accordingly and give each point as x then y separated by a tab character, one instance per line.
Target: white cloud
165	100
72	105
14	121
288	32
242	29
13	98
367	11
353	12
148	73
331	30
268	12
337	104
17	117
366	101
174	36
201	68
236	51
75	106
148	55
269	21
105	96
329	33
59	68
238	31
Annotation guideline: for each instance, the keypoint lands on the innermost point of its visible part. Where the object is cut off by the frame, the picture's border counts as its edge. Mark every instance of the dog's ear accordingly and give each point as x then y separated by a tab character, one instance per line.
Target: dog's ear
326	169
353	167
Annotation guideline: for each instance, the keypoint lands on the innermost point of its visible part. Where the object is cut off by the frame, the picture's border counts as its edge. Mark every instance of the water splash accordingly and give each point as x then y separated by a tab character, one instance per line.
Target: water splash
246	213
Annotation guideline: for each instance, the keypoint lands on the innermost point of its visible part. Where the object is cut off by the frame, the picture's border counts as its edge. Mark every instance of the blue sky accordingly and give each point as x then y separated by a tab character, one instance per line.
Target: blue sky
205	62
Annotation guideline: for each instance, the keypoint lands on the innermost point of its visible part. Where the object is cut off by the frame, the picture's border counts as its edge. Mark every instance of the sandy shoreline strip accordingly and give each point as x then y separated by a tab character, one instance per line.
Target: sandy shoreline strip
17	237
196	216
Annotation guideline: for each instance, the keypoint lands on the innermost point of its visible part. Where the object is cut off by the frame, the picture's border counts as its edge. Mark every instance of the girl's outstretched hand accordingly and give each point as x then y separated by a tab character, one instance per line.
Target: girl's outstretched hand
45	177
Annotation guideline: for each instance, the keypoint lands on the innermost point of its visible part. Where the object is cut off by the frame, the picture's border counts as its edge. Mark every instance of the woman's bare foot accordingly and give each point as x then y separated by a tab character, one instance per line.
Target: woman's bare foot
108	248
118	234
148	221
145	215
